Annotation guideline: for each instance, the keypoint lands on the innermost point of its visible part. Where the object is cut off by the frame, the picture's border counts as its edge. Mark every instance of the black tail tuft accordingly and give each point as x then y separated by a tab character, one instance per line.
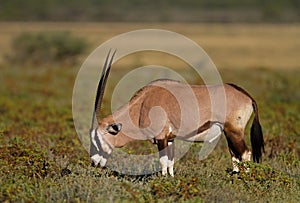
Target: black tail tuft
257	139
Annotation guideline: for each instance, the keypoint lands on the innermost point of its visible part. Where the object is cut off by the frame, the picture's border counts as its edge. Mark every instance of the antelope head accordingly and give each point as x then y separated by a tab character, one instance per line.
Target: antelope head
100	148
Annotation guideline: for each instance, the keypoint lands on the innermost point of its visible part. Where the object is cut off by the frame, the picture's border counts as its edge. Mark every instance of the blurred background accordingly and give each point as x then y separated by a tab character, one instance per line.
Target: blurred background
256	33
152	11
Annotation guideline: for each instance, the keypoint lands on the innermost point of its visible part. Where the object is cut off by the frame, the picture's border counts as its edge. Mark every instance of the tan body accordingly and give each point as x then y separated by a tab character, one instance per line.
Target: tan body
166	109
238	111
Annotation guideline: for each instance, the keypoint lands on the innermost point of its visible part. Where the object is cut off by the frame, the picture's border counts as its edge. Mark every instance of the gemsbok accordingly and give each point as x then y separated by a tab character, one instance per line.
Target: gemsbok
155	113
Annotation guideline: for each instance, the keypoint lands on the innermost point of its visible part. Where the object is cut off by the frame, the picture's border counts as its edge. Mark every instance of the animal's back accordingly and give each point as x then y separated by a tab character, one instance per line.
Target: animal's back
189	107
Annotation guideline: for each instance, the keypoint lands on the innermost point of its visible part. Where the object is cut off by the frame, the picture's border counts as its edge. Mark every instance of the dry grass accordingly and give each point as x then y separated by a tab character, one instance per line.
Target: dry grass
229	45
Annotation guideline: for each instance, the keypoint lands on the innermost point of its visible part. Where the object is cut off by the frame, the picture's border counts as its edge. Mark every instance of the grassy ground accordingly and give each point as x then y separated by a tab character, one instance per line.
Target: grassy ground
42	159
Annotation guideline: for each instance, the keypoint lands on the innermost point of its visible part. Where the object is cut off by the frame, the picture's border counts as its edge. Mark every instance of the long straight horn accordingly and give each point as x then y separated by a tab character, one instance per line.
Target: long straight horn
101	88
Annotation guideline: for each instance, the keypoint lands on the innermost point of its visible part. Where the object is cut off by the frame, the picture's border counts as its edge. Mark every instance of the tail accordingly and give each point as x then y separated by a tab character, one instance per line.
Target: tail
256	135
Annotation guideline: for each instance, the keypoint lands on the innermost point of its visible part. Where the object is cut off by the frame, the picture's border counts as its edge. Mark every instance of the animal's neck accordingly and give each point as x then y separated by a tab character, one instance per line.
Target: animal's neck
126	116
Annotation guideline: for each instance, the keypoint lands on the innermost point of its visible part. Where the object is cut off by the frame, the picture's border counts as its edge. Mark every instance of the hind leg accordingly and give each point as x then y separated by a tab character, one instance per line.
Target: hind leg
237	147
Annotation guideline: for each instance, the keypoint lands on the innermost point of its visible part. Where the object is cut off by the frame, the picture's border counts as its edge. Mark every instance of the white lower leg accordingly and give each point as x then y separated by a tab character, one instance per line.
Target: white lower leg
247	157
171	158
164	164
171	167
235	162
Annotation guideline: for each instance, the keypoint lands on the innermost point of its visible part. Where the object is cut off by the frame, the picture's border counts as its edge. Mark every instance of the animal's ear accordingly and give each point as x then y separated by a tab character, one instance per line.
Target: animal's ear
114	128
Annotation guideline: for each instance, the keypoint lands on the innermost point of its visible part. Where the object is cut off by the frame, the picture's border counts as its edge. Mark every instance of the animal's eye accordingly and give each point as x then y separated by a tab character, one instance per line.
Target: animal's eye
114	128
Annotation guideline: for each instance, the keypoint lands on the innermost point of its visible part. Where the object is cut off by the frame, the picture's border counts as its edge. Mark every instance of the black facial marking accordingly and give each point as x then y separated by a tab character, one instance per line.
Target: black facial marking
94	149
97	139
114	129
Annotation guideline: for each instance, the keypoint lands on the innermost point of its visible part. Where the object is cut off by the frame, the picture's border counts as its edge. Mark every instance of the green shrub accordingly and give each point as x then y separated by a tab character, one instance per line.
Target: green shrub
46	47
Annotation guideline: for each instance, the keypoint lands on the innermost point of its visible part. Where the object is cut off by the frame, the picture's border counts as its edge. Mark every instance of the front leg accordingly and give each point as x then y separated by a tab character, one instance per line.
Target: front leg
166	155
163	155
171	149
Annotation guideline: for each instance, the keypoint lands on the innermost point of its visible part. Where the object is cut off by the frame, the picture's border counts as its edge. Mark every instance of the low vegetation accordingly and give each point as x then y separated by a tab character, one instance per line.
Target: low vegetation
42	158
46	47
